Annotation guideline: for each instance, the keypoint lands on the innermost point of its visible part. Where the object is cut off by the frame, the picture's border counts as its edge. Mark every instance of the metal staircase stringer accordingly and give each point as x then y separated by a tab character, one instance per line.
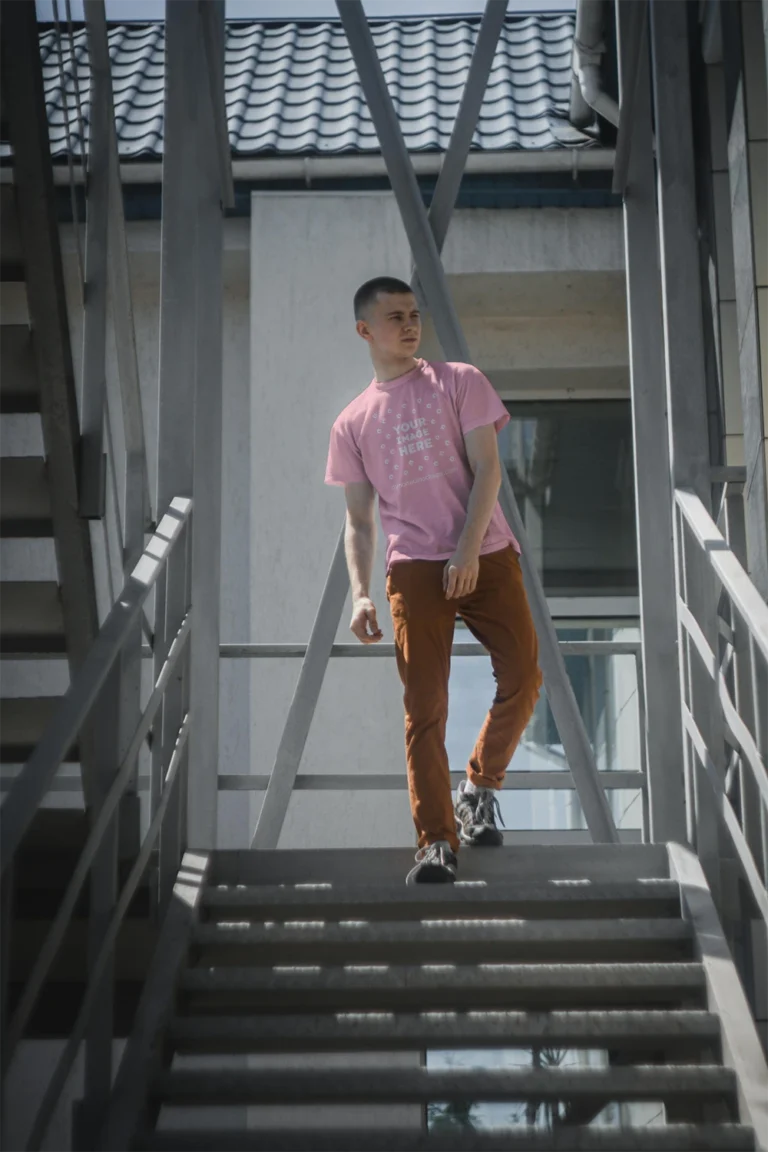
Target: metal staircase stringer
33	177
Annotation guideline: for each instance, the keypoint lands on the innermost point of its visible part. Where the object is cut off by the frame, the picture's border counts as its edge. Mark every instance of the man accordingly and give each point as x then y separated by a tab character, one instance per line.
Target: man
423	437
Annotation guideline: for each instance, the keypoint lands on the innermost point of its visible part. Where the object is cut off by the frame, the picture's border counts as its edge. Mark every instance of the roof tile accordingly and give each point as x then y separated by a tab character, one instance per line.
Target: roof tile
293	88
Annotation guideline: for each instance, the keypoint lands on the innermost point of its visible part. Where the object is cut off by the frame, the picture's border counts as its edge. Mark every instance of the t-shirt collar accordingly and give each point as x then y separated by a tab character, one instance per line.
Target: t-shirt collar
385	385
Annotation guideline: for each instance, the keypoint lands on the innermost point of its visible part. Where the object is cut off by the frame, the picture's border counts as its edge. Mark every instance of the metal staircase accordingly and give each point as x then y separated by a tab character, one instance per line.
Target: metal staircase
313	983
47	596
320	965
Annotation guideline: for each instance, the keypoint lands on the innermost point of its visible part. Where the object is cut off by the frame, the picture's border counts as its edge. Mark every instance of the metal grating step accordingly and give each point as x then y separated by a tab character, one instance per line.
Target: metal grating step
669	1138
31	619
22	723
18	379
25	503
640	1030
350	867
435	942
679	1084
543	900
443	987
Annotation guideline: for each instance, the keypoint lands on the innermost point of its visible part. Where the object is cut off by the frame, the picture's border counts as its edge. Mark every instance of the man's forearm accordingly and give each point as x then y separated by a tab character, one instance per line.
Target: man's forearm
360	548
482	501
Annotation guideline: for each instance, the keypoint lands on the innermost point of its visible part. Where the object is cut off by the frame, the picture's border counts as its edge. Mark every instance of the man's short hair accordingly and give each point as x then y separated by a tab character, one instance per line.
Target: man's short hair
368	292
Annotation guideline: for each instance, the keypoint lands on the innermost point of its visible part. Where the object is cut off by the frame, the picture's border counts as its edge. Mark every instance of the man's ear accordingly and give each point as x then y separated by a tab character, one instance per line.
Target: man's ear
363	330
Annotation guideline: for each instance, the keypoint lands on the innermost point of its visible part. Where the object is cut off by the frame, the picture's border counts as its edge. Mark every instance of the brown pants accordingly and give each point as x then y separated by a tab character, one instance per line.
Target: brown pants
497	615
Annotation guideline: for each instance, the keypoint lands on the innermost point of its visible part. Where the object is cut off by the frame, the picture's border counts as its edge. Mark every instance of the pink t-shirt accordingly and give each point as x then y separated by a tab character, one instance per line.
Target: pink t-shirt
406	436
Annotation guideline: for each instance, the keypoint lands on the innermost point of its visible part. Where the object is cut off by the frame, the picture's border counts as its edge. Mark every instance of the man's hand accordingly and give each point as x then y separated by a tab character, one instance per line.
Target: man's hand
364	623
460	574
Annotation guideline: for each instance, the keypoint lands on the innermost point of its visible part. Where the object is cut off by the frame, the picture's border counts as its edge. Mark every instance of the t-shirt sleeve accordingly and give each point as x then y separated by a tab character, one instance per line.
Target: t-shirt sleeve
477	401
345	463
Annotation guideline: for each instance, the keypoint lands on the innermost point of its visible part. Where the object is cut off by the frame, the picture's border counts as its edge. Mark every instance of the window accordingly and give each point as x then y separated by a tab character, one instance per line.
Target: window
570	464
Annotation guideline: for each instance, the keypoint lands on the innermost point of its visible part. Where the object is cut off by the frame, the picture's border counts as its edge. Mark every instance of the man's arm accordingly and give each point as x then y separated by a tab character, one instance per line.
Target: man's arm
461	571
360	547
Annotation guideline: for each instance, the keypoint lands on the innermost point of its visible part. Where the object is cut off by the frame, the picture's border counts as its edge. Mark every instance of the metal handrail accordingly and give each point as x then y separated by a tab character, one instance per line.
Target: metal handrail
743	721
27	791
367	651
534	780
31	784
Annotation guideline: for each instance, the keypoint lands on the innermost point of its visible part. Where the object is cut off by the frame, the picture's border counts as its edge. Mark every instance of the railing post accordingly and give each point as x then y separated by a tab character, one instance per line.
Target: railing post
173	714
89	1112
696	591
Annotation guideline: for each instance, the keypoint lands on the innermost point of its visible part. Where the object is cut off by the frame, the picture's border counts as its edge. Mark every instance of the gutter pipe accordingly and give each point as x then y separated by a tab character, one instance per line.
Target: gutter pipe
350	166
588	48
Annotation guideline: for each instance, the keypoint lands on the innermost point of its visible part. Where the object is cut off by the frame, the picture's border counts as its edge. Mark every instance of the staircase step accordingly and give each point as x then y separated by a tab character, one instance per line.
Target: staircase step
412	988
666	1138
388	866
545	900
380	1031
22	723
18	378
421	1085
31	619
482	941
25	502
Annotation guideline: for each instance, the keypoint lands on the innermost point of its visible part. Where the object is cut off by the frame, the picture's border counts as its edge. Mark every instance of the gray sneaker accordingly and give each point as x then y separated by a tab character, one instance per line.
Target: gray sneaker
476	814
435	864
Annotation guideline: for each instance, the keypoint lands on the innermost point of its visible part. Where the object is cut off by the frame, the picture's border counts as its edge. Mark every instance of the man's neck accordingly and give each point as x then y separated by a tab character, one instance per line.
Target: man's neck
390	368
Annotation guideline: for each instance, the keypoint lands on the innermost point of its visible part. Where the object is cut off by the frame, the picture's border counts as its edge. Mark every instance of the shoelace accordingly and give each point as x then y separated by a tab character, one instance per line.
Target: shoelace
431	852
488	808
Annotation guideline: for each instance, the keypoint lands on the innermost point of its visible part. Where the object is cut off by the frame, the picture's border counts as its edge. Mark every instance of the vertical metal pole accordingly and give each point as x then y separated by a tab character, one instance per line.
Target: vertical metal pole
685	367
642	713
92	460
90	1113
136	489
206	534
683	327
661	734
176	392
432	277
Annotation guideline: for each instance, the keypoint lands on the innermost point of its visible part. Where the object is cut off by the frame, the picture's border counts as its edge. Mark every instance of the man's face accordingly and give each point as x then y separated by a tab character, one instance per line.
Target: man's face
392	325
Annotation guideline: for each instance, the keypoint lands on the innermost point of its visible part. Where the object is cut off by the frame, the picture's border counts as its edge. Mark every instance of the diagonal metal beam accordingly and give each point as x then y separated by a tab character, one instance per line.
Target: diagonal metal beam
304	702
432	277
454	162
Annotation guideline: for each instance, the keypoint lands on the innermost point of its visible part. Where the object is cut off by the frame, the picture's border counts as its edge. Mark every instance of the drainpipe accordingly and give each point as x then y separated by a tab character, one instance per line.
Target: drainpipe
588	48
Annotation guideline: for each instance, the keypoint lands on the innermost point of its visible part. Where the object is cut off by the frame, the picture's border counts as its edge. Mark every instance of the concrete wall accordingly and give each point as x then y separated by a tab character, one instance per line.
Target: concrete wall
309	254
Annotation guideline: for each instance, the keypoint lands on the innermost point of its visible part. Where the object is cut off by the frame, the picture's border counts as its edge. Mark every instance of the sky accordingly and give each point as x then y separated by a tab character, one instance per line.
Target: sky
124	10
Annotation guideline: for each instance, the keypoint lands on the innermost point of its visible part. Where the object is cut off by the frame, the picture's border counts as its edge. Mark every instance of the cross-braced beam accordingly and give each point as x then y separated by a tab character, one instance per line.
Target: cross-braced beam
425	247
